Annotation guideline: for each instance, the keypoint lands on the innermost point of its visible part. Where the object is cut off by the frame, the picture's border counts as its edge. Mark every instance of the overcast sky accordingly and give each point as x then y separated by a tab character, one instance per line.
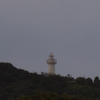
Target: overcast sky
31	29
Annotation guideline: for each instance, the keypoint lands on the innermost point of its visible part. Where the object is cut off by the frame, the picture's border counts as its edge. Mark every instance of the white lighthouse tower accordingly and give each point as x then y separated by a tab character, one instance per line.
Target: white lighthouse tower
51	64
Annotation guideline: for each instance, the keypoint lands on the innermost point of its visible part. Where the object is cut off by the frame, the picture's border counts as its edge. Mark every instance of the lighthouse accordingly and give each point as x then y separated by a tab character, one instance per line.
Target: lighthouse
51	64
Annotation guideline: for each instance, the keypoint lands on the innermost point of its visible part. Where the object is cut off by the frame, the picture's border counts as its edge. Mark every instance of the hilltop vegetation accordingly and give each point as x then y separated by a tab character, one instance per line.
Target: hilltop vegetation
18	84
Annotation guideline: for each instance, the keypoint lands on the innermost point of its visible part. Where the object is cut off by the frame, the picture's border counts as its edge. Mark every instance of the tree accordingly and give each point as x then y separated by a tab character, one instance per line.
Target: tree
80	80
96	82
89	81
96	79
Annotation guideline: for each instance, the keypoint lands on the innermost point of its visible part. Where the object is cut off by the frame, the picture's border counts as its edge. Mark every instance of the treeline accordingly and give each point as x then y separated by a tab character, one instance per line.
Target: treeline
18	84
52	96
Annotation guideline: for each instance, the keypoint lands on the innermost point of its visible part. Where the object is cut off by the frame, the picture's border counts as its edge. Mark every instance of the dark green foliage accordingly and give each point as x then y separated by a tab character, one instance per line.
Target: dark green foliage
96	82
17	83
51	96
80	80
89	81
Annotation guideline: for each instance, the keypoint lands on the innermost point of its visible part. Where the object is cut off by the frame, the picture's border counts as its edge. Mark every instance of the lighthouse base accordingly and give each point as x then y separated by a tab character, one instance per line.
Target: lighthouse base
51	69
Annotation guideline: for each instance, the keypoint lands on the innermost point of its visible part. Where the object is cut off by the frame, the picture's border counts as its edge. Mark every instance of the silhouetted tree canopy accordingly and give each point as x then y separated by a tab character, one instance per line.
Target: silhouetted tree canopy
18	84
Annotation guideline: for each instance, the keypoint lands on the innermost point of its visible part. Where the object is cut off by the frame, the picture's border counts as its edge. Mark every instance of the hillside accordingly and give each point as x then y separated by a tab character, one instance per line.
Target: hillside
17	82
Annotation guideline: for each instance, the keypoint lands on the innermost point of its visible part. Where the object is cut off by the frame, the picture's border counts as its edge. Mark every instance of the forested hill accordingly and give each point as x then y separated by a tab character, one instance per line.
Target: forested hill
17	82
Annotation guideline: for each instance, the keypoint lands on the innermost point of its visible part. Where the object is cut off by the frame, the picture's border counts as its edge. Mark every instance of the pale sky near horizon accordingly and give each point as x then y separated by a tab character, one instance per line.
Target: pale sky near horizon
31	29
